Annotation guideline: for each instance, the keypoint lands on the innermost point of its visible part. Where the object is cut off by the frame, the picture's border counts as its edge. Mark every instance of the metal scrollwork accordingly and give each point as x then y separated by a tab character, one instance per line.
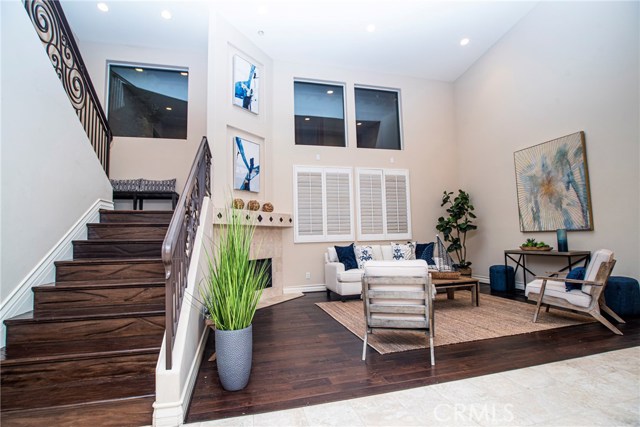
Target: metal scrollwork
54	32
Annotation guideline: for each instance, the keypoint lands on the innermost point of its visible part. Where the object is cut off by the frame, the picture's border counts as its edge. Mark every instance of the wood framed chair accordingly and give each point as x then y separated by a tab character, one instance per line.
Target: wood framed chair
398	295
589	298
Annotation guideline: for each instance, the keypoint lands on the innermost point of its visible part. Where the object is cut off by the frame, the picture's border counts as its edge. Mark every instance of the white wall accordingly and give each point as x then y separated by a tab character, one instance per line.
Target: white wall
566	67
50	173
153	158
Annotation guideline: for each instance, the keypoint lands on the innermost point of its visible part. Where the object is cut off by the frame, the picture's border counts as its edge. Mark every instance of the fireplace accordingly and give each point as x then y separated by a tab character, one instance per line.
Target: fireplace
268	262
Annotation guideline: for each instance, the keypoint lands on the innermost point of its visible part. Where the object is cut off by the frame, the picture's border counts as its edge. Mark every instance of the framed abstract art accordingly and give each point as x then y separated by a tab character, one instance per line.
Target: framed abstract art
246	85
552	181
246	172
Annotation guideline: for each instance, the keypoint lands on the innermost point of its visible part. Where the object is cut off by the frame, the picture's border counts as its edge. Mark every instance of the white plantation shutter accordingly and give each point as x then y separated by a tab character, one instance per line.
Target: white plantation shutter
383	204
323	204
338	203
370	203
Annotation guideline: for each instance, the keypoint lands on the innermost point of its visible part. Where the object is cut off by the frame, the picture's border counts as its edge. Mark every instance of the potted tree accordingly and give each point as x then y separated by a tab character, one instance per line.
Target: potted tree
230	294
454	228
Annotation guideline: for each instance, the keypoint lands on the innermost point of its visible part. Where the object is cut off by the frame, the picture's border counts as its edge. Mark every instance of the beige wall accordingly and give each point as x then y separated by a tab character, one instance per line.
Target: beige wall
50	173
153	158
566	67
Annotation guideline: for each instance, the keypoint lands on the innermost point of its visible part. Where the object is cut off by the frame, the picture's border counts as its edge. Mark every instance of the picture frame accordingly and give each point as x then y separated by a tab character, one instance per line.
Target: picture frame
552	183
246	85
246	168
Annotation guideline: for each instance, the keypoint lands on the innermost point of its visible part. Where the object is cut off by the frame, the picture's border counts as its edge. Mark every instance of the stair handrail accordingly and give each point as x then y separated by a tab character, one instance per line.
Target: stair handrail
177	246
54	31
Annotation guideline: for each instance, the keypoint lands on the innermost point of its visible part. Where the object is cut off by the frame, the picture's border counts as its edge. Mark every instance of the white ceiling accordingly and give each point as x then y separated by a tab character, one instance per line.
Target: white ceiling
413	37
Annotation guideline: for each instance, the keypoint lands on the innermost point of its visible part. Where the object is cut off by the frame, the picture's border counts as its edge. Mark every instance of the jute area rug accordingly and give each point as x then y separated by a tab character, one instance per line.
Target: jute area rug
456	321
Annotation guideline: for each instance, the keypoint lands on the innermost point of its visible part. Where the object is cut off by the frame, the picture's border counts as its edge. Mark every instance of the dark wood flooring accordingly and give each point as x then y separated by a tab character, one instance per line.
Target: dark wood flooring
302	357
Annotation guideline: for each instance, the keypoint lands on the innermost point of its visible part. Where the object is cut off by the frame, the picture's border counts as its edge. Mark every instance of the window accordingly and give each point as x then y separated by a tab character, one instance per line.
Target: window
383	204
323	204
319	114
377	119
147	102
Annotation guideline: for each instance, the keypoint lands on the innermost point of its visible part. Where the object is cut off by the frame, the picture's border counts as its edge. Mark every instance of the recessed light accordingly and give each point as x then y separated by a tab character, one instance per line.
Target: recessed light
329	92
168	108
139	70
103	7
306	119
359	124
184	73
260	33
165	14
464	41
371	28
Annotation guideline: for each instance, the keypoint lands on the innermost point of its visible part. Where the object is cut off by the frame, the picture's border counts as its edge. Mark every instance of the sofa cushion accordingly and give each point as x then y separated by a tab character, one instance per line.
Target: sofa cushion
403	251
377	252
332	254
354	275
363	254
557	289
425	251
347	256
387	253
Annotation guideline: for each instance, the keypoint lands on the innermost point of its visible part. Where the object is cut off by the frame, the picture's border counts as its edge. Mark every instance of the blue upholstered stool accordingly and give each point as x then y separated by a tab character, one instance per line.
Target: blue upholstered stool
501	281
622	295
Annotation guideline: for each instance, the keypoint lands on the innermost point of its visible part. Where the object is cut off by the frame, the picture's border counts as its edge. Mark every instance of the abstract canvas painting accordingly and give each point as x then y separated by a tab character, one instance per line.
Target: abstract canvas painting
245	85
246	165
552	182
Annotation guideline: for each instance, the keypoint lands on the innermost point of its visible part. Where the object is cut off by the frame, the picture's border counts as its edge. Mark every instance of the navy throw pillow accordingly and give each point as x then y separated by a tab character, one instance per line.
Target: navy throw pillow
347	256
425	251
577	274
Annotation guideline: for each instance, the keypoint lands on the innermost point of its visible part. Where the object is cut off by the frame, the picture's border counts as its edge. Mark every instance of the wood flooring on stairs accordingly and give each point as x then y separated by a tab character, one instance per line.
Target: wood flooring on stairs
301	356
86	354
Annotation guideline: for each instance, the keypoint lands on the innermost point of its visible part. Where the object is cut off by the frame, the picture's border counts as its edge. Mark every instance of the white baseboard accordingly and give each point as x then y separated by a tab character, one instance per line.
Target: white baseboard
20	300
320	287
485	279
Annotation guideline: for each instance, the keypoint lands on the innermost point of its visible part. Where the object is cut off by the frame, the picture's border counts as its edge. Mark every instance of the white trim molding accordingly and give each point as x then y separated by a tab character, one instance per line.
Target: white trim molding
302	289
20	300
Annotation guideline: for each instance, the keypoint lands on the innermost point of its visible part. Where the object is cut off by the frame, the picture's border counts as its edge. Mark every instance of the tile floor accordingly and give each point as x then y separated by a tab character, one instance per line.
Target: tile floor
598	390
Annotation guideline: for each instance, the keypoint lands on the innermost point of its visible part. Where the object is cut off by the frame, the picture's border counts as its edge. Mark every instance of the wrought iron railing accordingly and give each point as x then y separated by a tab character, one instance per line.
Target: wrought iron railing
56	36
178	243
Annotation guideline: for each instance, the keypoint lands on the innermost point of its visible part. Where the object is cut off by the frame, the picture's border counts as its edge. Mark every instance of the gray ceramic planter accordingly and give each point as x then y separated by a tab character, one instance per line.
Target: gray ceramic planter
234	351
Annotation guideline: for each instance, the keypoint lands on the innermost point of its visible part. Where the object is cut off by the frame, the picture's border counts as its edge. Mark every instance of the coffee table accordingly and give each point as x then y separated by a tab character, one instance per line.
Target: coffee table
450	285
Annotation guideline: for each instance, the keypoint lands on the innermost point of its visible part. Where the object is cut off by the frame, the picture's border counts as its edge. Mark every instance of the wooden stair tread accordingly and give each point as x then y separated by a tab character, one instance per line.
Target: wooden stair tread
49	358
77	347
101	261
84	391
83	314
131	211
123	412
127	224
98	284
117	242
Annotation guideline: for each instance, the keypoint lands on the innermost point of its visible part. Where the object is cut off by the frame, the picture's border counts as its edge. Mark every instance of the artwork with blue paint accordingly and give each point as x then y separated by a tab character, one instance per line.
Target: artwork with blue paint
246	165
246	85
552	182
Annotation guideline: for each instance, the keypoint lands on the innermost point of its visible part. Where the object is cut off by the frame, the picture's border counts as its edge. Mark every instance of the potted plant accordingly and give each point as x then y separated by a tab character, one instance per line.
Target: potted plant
230	294
454	228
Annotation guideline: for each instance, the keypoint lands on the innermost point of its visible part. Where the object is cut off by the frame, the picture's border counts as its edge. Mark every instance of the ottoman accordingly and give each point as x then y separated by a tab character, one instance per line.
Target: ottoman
622	295
502	278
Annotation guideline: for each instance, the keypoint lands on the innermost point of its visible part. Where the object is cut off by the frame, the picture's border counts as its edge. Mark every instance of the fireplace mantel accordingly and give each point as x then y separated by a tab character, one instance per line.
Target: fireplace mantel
259	218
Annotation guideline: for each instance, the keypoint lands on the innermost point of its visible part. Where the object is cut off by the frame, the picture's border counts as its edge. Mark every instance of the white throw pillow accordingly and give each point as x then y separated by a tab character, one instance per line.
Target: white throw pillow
363	254
333	255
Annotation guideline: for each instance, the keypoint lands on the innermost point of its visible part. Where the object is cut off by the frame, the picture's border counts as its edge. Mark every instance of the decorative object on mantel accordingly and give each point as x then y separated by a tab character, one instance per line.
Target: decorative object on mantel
563	244
444	263
231	293
552	182
267	207
253	205
238	203
455	227
532	245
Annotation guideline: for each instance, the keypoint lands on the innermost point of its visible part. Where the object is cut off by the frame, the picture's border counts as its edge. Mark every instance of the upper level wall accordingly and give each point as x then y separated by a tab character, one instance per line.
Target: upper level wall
50	173
566	67
153	158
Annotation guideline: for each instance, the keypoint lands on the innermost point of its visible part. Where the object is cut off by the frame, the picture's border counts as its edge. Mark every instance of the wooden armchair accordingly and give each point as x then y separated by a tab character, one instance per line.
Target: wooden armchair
397	295
588	299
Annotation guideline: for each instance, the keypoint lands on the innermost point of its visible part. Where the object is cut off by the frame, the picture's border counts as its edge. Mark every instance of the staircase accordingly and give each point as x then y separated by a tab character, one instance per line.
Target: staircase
86	354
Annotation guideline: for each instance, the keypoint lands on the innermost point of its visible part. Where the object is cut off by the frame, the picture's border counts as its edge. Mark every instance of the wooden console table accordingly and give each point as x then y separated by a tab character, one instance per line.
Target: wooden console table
462	283
572	257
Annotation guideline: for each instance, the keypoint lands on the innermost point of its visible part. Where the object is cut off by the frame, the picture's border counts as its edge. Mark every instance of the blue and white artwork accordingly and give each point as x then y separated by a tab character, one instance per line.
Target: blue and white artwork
246	84
552	182
246	174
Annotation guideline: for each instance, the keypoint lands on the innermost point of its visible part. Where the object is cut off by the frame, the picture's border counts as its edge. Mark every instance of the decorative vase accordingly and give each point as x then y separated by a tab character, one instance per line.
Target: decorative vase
563	245
253	205
234	350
